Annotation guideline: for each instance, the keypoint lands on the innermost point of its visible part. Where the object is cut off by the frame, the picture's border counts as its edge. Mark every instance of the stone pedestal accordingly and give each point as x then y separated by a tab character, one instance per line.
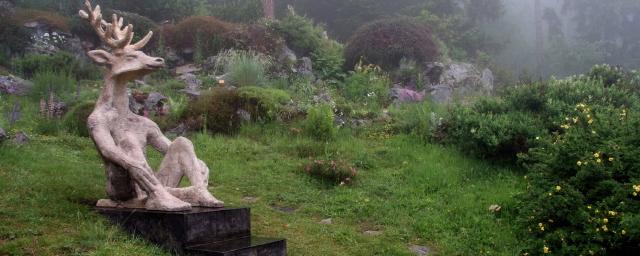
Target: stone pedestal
201	231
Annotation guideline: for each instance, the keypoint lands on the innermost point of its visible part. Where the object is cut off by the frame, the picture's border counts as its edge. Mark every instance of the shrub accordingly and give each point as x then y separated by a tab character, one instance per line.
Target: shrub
13	39
60	84
328	60
75	122
264	104
216	111
584	184
418	119
335	171
60	62
242	11
300	33
367	84
319	123
204	34
386	42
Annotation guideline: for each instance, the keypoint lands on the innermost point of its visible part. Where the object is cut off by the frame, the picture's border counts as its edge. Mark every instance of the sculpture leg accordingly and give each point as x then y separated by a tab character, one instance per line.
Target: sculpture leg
180	160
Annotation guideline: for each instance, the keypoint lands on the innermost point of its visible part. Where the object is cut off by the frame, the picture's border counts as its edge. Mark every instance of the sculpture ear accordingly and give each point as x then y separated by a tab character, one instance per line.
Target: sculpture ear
101	57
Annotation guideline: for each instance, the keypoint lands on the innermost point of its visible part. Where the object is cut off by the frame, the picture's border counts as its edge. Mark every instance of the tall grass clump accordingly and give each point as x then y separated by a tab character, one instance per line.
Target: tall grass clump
245	68
45	83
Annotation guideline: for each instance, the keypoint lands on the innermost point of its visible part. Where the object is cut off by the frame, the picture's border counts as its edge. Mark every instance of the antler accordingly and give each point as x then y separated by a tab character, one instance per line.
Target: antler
113	34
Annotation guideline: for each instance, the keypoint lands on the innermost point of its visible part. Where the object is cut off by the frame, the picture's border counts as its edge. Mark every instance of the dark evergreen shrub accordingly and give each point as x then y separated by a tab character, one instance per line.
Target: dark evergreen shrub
386	42
215	111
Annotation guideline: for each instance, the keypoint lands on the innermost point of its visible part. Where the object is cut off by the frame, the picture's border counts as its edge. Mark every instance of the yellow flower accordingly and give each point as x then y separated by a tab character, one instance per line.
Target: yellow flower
596	154
613	213
636	188
575	120
624	232
579	163
611	159
604	228
605	220
558	188
589	207
599	161
546	250
635	193
590	121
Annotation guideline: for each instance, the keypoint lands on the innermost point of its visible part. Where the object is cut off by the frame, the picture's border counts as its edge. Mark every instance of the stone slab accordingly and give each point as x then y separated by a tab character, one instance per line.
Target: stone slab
177	230
248	246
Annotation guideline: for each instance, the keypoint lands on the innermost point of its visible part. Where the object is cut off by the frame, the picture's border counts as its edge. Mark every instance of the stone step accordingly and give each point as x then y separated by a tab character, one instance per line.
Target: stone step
249	246
176	230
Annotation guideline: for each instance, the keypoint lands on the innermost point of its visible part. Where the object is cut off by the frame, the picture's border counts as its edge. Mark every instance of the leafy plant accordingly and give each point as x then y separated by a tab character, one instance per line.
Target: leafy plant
328	60
75	122
61	62
264	104
367	84
46	83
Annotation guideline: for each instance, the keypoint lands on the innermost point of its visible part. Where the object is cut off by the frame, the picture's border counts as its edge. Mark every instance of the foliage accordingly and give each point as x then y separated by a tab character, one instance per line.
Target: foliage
13	39
242	11
216	111
319	123
418	119
300	33
263	103
75	122
335	171
59	84
385	42
328	60
583	194
367	84
199	33
246	68
61	62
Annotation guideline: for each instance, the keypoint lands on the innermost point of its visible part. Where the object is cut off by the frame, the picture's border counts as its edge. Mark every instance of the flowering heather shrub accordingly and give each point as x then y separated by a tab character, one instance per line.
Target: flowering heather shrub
583	193
336	171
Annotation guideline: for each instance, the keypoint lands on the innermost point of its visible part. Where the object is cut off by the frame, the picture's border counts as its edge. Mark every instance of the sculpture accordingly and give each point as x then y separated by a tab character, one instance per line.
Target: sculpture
122	136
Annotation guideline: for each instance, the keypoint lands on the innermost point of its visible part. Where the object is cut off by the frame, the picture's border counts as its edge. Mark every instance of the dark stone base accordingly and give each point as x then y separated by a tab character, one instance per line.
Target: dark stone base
201	231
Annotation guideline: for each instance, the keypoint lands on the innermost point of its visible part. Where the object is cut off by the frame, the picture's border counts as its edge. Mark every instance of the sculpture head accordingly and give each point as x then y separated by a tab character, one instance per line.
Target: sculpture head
125	60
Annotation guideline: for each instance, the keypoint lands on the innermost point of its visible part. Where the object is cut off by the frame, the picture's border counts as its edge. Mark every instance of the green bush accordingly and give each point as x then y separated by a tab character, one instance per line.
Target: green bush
264	104
216	111
205	35
300	33
335	171
75	122
28	65
386	42
416	118
14	38
328	60
62	85
367	84
583	196
319	123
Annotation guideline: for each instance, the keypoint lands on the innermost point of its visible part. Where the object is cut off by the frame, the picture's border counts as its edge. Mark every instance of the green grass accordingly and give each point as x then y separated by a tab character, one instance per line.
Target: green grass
415	194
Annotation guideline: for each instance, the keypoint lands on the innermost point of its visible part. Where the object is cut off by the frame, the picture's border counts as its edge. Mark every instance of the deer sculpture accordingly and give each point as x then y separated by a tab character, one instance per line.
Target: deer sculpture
122	136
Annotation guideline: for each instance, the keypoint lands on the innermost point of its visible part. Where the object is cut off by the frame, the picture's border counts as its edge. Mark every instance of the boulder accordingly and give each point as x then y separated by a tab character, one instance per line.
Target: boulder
21	138
457	79
287	58
3	135
147	104
305	66
406	95
13	85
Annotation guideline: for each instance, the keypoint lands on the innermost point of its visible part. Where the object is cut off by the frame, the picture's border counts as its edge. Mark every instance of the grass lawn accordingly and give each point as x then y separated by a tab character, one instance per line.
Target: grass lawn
414	194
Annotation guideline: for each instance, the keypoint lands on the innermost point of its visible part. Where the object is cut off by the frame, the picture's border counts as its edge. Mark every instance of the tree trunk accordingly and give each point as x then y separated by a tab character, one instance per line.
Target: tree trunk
269	9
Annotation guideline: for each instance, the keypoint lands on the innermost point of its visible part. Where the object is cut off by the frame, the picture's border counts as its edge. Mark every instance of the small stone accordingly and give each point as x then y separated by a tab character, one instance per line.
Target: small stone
284	209
328	221
372	233
494	208
420	250
21	138
250	199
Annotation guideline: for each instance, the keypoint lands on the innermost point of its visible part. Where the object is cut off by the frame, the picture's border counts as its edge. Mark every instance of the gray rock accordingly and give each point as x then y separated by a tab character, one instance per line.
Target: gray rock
250	199
287	57
244	115
420	250
328	221
305	66
457	80
6	8
3	135
191	81
21	138
405	95
13	85
187	69
180	130
372	233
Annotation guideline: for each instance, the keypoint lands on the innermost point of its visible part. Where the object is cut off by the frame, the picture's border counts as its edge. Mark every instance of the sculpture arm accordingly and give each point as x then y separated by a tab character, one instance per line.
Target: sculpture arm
158	140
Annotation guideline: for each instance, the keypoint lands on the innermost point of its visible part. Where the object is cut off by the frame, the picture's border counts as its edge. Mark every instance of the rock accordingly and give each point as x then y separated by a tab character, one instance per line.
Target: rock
244	115
250	199
146	104
305	66
180	130
404	95
372	233
494	208
420	250
186	69
457	79
171	58
21	138
3	135
287	57
13	85
328	221
284	209
190	80
7	8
